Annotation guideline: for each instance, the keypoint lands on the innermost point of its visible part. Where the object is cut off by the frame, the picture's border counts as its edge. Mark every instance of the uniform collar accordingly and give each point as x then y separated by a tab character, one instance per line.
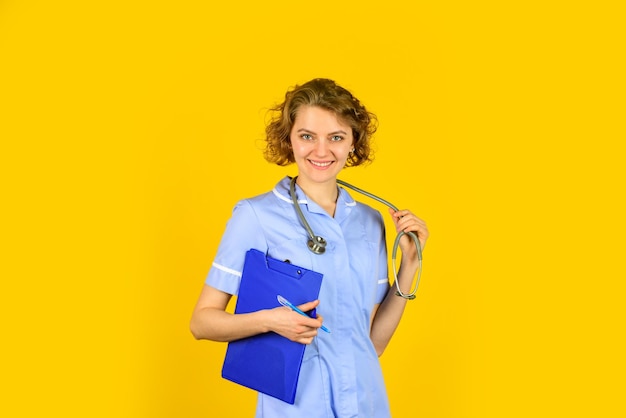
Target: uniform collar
345	202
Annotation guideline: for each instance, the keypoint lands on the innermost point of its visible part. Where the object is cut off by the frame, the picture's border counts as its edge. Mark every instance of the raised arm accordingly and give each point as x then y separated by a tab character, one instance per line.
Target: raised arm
387	315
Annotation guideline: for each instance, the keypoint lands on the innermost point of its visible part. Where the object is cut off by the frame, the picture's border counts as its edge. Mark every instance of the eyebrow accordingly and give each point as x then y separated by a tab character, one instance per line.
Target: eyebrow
330	133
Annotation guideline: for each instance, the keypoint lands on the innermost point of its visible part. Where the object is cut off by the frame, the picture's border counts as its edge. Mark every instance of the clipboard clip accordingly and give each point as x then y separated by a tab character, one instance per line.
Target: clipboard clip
285	267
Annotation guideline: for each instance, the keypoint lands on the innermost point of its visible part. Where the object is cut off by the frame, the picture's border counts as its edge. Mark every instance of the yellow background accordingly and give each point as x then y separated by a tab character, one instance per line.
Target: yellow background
129	129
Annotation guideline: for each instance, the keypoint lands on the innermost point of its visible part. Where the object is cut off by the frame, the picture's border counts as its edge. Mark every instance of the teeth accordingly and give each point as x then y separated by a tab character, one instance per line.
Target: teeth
326	164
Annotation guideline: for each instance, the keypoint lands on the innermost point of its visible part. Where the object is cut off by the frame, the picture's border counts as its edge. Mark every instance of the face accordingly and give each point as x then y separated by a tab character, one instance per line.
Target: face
321	144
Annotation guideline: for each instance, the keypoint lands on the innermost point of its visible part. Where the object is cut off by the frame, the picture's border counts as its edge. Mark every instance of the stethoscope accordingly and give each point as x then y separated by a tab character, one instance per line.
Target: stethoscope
317	244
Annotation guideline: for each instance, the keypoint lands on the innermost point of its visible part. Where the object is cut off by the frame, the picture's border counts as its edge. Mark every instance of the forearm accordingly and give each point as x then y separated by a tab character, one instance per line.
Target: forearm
218	325
389	313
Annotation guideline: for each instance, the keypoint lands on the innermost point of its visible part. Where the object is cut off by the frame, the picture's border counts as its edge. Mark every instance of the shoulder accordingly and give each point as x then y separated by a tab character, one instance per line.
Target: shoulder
278	193
270	199
369	213
360	209
366	209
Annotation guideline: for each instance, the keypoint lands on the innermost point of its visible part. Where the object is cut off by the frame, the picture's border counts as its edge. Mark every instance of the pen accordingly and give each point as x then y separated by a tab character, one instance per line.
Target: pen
288	304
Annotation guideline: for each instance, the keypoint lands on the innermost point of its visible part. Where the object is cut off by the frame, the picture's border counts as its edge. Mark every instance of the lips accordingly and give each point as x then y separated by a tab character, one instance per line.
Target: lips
321	164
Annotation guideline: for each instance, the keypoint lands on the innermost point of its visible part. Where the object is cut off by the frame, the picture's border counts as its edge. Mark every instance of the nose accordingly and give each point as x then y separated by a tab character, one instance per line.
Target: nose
321	147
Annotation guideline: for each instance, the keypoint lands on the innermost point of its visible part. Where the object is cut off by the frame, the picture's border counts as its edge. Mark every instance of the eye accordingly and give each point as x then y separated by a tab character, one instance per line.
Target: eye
306	137
336	138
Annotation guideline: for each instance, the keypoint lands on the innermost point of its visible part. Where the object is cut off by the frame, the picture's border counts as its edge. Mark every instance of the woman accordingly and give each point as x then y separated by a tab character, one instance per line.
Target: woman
322	128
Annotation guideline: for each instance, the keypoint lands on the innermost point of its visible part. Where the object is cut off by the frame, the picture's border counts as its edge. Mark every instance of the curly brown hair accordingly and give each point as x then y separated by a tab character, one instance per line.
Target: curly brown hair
328	95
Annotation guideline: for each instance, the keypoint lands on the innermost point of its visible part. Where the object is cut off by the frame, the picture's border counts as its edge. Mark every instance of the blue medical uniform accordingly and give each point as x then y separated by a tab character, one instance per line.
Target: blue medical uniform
340	374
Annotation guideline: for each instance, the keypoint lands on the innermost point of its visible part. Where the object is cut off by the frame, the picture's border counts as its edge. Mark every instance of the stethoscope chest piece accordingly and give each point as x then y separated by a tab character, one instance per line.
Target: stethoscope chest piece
317	244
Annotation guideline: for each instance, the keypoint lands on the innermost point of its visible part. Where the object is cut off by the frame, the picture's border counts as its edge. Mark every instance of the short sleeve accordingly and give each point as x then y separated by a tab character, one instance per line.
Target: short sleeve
243	232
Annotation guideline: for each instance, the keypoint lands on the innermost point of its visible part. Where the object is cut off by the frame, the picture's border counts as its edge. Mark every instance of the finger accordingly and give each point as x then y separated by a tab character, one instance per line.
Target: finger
400	213
312	323
408	225
305	307
320	321
306	341
405	215
413	226
306	336
397	215
306	322
308	328
418	228
410	220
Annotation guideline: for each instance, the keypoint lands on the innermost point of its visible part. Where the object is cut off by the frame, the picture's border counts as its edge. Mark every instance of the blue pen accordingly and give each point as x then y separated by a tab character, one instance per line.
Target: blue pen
288	304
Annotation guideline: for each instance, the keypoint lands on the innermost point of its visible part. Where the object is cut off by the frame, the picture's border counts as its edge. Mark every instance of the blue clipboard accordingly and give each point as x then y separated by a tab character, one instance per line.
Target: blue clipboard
269	363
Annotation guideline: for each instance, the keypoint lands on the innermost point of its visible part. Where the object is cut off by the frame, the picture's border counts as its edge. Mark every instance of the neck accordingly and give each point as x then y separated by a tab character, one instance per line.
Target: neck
324	194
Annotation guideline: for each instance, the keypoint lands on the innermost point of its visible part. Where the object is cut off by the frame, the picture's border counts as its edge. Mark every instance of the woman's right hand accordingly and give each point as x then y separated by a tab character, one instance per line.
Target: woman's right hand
292	325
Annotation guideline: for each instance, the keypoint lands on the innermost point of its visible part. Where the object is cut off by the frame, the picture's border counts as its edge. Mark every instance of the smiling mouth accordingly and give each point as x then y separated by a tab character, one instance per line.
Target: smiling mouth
321	164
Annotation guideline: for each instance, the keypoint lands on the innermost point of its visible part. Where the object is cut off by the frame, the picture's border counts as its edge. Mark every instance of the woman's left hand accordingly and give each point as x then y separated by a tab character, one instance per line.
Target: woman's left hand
406	221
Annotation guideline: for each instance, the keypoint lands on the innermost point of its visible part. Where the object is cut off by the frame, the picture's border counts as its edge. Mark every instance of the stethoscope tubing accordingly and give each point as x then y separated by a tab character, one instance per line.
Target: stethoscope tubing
317	244
396	244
